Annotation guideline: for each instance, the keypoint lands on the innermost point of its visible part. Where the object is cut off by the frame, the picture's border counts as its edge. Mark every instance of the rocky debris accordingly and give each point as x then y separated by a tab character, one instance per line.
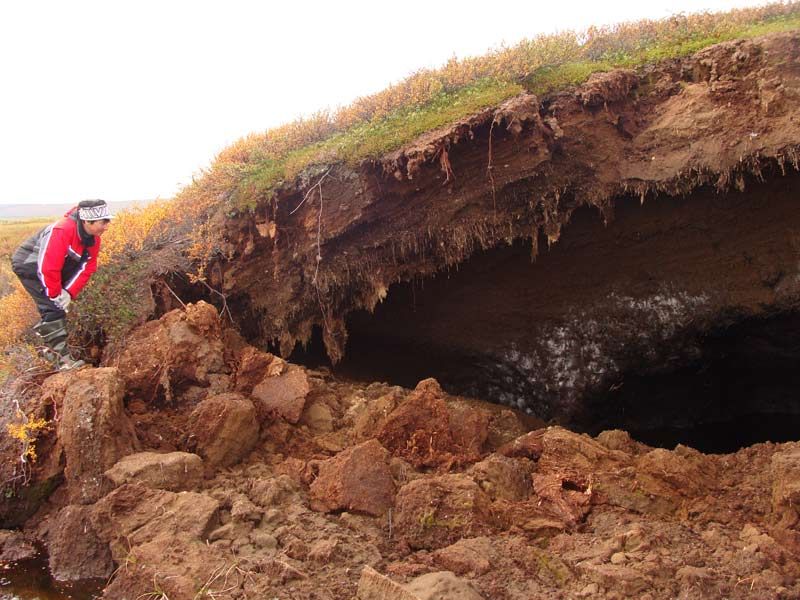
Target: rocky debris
629	581
433	512
574	470
243	510
281	572
505	426
15	546
182	349
563	451
94	431
173	471
569	497
298	470
324	551
157	538
551	513
534	517
424	431
616	439
666	473
271	491
223	429
442	584
357	479
469	428
284	394
74	550
367	415
140	580
528	445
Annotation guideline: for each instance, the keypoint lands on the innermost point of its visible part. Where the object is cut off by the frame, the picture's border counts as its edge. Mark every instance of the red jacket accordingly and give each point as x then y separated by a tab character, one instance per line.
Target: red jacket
59	256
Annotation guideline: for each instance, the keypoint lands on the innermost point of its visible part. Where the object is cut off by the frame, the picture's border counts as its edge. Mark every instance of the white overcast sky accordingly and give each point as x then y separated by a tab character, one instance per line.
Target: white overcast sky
126	100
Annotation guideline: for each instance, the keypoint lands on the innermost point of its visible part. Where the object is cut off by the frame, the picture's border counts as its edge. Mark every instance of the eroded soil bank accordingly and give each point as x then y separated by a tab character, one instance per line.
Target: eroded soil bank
198	466
709	145
676	284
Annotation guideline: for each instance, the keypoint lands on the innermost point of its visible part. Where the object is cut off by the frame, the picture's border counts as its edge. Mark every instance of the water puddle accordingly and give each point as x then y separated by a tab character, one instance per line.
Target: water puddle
31	580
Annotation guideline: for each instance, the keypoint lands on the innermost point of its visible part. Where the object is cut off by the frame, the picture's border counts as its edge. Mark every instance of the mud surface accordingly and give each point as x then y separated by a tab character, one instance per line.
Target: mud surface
31	580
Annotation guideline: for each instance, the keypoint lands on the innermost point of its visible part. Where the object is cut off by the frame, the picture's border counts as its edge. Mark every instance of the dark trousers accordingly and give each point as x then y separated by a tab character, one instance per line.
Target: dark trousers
45	306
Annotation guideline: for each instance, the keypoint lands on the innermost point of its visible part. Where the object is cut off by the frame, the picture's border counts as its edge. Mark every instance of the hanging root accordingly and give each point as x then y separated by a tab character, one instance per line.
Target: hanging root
490	169
447	168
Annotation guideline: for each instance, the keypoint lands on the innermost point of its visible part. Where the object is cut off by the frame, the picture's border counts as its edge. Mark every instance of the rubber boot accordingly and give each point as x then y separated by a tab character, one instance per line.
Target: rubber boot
54	336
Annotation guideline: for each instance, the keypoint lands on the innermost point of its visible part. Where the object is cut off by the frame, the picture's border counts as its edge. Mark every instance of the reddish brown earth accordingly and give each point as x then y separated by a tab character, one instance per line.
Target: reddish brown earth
384	492
193	464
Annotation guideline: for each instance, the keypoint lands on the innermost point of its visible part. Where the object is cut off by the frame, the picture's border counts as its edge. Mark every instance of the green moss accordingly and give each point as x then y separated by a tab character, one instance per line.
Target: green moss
428	520
373	138
115	299
552	568
551	78
554	77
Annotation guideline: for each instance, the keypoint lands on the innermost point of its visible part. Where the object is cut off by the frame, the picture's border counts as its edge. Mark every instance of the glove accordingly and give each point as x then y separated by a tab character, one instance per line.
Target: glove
62	300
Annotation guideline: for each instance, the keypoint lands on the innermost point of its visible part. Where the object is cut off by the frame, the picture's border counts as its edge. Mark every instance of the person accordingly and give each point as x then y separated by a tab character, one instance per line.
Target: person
54	264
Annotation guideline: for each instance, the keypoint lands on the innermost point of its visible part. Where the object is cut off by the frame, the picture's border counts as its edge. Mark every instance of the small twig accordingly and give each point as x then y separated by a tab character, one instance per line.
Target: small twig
13	479
751	579
174	294
311	189
319	236
225	308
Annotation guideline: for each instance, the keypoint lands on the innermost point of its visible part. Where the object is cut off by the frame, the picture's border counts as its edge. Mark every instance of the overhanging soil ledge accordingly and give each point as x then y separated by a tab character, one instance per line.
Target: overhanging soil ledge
711	140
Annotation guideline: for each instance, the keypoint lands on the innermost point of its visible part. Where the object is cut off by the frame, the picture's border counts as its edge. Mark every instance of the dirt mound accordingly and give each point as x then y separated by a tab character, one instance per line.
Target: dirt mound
181	354
426	432
304	509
